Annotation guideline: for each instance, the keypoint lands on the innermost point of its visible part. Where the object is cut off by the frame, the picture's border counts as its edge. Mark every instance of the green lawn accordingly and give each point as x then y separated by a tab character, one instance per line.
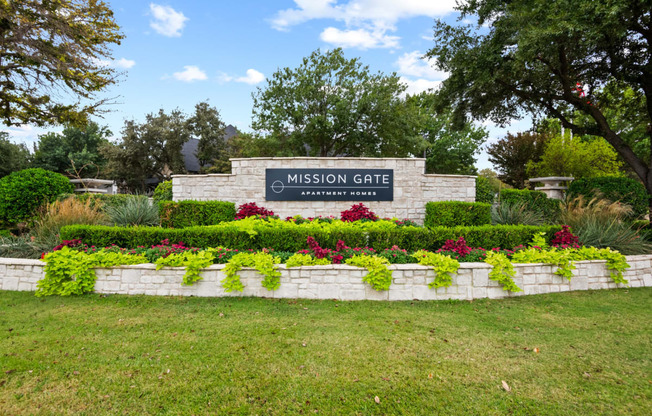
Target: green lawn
95	355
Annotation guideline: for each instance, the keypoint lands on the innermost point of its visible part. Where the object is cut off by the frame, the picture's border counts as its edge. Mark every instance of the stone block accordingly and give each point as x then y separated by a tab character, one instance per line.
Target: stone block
372	294
10	283
579	283
480	277
479	292
400	293
352	294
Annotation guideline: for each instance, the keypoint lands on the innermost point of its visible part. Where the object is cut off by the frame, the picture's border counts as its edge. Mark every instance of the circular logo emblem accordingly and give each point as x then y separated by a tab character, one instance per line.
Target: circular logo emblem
278	187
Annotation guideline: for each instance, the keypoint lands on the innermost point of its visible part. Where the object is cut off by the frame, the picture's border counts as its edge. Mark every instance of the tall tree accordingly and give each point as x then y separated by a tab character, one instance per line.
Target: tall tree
148	151
50	52
576	157
13	157
73	151
331	106
208	127
511	154
551	57
448	148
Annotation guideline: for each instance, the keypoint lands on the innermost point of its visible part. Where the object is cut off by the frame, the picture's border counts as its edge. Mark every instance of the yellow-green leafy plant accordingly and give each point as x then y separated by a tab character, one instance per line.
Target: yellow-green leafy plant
264	263
444	266
72	272
378	275
192	261
503	271
298	260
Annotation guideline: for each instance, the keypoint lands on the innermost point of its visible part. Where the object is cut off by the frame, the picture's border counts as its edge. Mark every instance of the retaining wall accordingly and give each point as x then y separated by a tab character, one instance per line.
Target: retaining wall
246	183
340	281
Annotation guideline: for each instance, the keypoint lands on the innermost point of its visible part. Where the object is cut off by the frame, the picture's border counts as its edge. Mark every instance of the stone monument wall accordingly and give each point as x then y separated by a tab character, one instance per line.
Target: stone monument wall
412	188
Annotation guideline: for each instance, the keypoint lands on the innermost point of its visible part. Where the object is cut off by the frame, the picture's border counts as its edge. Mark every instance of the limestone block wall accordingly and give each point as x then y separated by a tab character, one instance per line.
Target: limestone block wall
341	282
412	187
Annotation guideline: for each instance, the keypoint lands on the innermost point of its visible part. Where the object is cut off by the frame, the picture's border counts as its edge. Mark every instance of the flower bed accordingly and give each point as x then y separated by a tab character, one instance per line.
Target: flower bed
70	267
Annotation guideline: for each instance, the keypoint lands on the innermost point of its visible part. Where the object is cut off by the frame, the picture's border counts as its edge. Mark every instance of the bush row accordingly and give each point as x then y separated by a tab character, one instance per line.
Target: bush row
457	213
626	190
193	213
294	238
534	201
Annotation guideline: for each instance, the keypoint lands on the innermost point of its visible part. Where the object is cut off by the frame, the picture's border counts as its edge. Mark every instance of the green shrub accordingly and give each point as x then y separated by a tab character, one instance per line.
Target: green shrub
137	210
5	233
536	201
193	213
293	238
457	213
484	192
163	191
23	192
626	190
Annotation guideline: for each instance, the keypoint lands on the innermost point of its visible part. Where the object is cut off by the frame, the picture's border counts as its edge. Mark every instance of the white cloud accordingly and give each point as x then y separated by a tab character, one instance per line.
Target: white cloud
419	85
121	63
252	77
367	21
382	13
412	64
360	38
27	134
167	21
190	73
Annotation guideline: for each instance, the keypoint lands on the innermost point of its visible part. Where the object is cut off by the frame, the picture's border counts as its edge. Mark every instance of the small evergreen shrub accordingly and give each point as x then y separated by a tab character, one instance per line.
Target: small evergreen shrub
163	191
536	201
625	190
194	213
23	192
457	213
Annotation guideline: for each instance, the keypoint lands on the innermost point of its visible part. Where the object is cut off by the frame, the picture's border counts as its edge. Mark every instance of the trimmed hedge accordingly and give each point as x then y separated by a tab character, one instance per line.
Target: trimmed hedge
193	213
626	190
457	213
294	238
23	192
534	201
484	192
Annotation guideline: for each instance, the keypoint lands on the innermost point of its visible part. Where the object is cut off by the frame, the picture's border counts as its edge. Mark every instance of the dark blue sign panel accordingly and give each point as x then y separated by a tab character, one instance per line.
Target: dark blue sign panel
329	184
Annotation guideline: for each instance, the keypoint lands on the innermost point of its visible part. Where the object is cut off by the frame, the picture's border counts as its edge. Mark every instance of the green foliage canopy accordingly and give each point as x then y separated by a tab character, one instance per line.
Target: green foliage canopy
13	156
552	58
575	157
73	151
54	49
333	106
512	153
449	149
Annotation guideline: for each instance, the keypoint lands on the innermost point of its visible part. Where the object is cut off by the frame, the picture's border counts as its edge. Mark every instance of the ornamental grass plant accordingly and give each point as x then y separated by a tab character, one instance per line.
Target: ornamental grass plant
137	210
515	213
601	223
47	226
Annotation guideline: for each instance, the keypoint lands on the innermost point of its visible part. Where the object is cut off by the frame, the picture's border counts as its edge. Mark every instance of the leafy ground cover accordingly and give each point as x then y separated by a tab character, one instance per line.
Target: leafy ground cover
565	354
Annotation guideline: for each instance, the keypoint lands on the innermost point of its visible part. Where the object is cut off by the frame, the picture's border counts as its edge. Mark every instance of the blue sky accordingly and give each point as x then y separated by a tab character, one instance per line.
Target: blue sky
178	53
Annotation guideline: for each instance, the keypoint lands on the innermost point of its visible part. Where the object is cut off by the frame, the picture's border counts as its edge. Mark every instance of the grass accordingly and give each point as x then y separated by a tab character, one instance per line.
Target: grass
96	355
